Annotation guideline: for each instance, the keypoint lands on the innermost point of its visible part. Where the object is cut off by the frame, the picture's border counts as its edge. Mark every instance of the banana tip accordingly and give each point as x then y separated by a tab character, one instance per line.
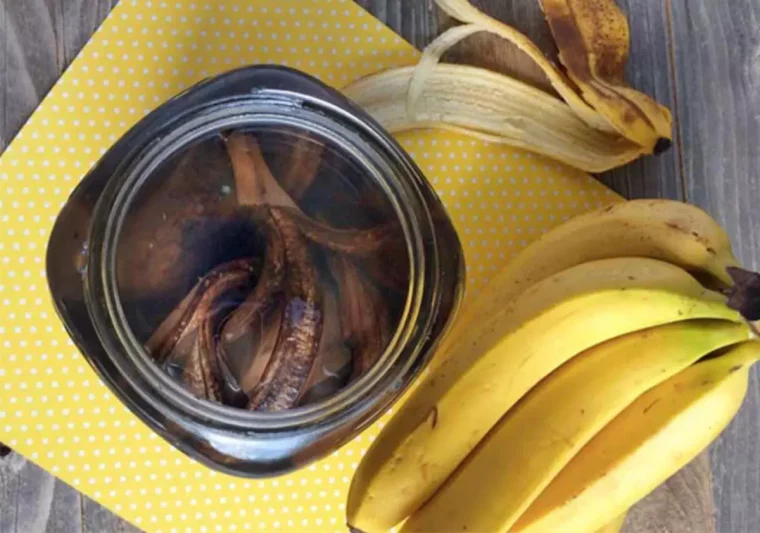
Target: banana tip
744	296
662	145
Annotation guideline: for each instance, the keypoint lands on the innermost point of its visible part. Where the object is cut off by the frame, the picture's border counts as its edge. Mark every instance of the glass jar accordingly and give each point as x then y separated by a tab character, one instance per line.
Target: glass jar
115	272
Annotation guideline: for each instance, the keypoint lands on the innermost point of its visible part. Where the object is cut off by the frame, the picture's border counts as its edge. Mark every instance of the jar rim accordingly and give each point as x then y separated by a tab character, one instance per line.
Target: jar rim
264	107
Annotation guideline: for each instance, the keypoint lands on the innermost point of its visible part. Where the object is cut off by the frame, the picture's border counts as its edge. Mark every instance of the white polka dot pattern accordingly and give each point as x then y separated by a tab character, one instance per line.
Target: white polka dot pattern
53	408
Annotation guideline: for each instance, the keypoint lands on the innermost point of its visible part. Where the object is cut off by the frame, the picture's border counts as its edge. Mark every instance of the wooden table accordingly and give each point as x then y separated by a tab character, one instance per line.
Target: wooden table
699	57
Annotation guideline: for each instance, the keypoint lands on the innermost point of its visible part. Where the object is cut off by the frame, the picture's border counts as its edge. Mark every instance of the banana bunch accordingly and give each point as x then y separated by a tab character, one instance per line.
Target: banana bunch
659	229
592	120
592	368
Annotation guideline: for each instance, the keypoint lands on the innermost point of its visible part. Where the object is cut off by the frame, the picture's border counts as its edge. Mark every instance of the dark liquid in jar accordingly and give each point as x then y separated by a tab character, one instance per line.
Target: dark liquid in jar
262	269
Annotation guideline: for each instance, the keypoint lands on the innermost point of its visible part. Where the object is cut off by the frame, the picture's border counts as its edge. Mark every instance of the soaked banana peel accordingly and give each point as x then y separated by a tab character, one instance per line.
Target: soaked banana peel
597	124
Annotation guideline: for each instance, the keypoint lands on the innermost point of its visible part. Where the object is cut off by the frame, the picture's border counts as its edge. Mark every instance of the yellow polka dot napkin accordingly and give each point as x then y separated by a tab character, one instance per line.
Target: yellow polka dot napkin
53	408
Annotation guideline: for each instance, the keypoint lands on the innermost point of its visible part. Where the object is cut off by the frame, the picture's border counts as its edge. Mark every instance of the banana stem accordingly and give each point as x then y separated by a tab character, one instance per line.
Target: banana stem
744	296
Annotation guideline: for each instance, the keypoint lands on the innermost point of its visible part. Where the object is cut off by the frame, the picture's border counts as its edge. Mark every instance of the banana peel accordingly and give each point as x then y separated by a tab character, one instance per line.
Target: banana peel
597	124
492	107
593	41
465	12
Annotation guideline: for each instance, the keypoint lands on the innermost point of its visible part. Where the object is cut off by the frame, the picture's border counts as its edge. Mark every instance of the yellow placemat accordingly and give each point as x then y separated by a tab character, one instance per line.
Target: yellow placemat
53	408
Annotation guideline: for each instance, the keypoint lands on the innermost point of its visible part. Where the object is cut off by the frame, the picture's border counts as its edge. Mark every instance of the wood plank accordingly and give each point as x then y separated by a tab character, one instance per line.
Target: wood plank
26	496
414	21
38	39
4	70
79	19
29	62
97	519
649	70
66	510
31	500
717	51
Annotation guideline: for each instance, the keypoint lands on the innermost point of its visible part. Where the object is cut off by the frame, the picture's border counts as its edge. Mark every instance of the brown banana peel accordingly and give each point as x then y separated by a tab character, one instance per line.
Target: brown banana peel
593	41
600	125
465	12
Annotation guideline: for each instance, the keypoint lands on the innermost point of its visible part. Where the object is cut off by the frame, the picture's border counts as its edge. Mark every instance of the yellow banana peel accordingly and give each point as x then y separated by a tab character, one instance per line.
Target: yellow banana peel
598	124
668	230
466	393
494	108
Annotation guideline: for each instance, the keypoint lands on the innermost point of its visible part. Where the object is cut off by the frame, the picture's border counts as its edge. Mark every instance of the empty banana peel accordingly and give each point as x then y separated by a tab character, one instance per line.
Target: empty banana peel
598	124
495	108
593	41
463	11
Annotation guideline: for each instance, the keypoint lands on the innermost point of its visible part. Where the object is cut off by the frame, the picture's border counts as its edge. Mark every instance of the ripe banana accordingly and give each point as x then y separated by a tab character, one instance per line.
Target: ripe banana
613	527
553	421
462	398
658	434
660	229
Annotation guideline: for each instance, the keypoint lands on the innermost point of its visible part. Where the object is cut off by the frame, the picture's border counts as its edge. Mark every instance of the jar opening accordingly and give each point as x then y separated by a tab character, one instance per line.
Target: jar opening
262	265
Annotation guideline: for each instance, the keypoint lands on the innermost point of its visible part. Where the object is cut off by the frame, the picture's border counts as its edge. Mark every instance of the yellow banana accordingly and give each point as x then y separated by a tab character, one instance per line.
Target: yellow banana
616	526
661	229
462	398
553	421
657	435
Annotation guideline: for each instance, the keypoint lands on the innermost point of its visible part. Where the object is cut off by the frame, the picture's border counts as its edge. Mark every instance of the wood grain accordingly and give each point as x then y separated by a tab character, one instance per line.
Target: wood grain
27	496
717	71
66	514
28	61
700	57
97	519
32	500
